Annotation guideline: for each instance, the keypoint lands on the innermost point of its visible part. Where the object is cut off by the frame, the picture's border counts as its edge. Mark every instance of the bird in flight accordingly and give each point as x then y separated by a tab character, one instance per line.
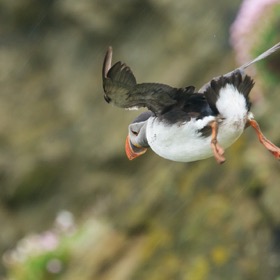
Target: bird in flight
182	124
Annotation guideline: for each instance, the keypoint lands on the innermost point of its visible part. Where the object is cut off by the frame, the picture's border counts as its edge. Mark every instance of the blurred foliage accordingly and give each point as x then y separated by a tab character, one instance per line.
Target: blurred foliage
268	35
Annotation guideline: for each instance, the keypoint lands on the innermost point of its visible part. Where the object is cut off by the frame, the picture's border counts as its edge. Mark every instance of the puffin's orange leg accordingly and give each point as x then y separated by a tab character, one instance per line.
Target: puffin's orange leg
217	149
133	151
268	145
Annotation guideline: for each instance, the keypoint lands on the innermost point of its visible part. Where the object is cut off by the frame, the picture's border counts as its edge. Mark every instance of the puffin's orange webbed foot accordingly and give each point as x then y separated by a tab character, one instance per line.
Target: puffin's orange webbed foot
218	152
217	149
267	144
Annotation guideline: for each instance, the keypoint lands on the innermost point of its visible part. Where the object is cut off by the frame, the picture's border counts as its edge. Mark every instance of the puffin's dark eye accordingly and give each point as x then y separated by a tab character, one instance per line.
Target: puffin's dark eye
134	132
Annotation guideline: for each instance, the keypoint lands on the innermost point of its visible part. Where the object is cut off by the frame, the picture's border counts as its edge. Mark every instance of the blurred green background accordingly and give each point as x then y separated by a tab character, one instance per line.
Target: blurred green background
71	205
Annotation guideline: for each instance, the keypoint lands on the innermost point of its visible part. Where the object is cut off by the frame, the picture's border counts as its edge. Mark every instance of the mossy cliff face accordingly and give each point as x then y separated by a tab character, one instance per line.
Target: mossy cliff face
62	146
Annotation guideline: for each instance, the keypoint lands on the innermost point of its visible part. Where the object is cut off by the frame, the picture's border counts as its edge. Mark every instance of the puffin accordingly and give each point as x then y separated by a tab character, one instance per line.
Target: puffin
182	124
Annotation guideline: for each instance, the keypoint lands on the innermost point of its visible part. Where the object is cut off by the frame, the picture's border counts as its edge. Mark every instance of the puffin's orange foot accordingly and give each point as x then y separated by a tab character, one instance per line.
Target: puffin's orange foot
218	151
267	144
133	151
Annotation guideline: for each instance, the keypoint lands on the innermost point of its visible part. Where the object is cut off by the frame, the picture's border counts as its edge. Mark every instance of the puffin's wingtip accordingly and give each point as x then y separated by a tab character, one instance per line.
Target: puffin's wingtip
107	62
261	56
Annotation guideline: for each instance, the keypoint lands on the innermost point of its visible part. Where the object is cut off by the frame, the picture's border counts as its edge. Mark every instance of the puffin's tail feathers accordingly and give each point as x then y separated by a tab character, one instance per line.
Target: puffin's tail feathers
233	85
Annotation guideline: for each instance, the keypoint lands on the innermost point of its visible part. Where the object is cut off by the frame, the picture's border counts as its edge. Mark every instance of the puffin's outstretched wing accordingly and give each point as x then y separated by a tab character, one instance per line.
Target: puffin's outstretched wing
117	80
122	90
242	68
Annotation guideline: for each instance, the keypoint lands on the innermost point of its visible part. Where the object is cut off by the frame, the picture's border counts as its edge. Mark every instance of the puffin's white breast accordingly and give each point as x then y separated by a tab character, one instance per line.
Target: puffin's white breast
178	142
184	142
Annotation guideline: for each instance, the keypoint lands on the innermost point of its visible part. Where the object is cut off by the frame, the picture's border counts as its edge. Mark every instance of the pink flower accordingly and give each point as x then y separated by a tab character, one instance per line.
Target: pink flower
48	241
243	29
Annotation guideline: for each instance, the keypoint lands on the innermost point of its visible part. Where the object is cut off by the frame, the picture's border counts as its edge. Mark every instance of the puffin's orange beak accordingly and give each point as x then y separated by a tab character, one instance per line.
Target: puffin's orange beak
133	151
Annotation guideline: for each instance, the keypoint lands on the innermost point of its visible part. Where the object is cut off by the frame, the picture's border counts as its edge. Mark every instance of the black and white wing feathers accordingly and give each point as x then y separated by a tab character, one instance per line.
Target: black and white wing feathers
121	89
